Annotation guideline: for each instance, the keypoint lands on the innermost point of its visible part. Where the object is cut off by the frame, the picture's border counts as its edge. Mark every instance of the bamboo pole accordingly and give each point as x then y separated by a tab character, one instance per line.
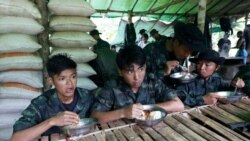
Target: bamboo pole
43	38
202	14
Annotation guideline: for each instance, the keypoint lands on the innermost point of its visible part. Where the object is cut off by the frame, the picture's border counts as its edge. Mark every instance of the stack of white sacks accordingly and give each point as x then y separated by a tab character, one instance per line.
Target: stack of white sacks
69	23
20	66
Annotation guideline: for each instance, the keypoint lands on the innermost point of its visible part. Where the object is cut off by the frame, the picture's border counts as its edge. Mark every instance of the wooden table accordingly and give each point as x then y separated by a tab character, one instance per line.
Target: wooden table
196	124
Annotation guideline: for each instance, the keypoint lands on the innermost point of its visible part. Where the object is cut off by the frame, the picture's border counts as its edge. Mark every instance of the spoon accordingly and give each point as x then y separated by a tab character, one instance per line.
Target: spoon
185	69
235	90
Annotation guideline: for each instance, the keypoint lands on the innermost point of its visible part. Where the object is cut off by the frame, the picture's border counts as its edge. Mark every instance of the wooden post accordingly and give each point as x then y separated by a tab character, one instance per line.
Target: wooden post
43	38
246	18
202	14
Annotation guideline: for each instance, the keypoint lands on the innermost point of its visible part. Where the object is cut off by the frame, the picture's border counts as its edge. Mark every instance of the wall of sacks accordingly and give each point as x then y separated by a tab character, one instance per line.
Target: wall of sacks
20	64
69	24
21	76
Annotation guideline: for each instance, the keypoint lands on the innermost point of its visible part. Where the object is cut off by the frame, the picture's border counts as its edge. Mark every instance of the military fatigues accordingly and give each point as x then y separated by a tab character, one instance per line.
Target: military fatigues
100	44
191	93
244	74
157	58
48	105
119	95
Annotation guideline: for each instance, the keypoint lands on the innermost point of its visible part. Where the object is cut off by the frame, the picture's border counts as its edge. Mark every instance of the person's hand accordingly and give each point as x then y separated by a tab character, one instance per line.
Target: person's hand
170	65
211	98
238	82
133	111
64	118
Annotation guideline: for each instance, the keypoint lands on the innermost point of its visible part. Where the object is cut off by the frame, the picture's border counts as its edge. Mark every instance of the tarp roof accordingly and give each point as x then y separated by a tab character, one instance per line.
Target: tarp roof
159	13
167	10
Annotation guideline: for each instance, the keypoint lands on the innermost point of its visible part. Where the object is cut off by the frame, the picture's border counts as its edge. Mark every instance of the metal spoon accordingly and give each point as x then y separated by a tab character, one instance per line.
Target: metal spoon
235	90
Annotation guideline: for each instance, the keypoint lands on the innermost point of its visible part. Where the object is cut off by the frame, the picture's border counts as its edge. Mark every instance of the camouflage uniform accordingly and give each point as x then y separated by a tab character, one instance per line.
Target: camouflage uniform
119	95
157	56
191	93
101	43
48	105
244	74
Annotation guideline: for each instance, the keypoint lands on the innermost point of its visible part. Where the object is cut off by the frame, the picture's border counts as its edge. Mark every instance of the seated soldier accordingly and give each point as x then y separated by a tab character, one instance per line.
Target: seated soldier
125	97
200	91
63	105
244	73
165	56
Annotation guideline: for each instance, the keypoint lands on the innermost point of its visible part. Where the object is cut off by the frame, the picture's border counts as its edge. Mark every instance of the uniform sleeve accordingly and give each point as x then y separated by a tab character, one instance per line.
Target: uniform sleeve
30	117
103	102
188	97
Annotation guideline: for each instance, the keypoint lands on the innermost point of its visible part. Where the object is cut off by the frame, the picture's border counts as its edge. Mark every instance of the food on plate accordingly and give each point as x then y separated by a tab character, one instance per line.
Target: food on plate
150	115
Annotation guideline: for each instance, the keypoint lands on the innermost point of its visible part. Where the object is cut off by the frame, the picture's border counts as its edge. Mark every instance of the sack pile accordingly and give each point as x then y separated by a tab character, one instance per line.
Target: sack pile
68	25
21	66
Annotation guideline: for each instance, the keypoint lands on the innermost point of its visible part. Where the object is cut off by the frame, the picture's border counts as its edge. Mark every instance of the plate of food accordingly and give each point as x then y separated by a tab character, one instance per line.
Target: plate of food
230	96
85	126
183	77
152	115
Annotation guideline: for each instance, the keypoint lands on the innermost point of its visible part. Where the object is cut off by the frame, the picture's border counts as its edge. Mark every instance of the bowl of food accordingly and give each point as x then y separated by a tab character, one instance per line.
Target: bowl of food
152	115
229	96
183	77
85	126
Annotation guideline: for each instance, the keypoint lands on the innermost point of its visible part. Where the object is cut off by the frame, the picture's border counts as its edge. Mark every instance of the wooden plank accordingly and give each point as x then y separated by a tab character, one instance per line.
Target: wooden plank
245	115
225	114
101	136
44	138
55	137
202	131
246	101
183	130
126	131
170	134
90	138
247	133
153	134
226	132
216	115
242	106
141	133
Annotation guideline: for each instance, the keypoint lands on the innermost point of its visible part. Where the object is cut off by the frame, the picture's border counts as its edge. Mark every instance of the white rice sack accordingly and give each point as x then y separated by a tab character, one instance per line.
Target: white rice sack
13	105
79	55
85	70
20	62
19	8
17	93
5	133
70	7
18	43
31	78
71	23
23	25
72	39
9	119
86	83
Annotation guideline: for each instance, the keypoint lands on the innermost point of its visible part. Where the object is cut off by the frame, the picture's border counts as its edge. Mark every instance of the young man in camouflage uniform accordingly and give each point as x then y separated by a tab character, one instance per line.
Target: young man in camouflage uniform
125	97
164	60
63	105
200	91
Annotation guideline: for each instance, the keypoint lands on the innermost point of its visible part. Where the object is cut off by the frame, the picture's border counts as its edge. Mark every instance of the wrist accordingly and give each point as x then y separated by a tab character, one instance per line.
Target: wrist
121	113
51	122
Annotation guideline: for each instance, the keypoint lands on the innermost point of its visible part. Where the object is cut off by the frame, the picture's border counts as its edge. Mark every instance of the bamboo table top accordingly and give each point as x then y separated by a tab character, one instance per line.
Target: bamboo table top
197	124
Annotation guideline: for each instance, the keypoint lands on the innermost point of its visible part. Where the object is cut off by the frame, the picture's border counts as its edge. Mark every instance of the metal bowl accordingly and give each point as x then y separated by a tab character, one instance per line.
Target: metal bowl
85	126
150	122
230	96
183	77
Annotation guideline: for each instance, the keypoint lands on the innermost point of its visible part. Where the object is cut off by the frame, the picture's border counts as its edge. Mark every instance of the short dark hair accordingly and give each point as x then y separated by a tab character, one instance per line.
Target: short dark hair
130	55
58	63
